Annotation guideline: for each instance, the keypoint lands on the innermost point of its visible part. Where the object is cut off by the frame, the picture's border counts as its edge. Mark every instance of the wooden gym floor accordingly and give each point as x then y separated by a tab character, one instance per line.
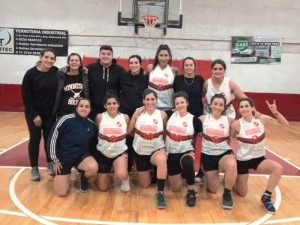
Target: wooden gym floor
23	201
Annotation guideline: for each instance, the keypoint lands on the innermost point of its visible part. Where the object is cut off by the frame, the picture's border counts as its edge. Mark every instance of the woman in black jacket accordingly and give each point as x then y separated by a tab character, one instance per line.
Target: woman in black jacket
38	93
68	146
72	86
133	83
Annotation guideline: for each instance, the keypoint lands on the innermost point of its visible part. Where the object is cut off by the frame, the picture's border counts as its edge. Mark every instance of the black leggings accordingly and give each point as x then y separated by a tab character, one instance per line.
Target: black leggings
35	135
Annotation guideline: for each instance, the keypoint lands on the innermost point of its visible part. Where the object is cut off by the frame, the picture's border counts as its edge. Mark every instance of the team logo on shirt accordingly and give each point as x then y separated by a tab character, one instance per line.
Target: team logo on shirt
223	93
255	139
222	126
119	124
184	124
256	124
155	121
166	75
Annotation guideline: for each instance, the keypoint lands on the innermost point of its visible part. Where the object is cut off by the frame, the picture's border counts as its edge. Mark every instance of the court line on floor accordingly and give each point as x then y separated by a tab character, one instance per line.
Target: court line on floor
293	219
277	203
12	213
24	139
287	161
19	205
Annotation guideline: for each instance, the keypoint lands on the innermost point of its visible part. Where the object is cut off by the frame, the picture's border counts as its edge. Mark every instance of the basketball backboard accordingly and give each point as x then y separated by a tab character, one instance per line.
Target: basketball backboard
168	13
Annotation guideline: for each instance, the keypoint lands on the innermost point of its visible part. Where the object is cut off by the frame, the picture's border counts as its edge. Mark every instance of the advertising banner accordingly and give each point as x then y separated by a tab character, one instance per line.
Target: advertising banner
23	41
256	50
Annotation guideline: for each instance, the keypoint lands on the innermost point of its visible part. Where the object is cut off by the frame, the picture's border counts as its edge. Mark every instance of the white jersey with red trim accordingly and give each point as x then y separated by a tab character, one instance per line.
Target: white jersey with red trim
224	89
149	133
215	135
110	130
180	131
161	81
251	140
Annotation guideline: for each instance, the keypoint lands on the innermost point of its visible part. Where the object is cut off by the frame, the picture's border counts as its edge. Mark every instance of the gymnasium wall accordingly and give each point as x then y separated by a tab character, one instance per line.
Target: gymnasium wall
206	35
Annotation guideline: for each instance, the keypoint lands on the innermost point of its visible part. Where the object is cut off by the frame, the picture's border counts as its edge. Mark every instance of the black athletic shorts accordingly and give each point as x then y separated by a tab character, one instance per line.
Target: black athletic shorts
106	163
142	162
244	166
211	162
173	162
67	166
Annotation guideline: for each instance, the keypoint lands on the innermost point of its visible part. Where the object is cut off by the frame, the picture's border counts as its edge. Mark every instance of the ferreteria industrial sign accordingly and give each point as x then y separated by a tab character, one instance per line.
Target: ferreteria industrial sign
256	50
23	41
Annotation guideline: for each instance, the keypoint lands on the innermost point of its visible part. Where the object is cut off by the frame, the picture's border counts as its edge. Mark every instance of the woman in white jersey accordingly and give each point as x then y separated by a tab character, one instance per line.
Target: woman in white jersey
112	149
161	77
182	128
148	144
250	133
219	84
216	152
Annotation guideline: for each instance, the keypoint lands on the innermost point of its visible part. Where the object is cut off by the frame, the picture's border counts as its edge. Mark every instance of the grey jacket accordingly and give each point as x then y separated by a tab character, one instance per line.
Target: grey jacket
60	75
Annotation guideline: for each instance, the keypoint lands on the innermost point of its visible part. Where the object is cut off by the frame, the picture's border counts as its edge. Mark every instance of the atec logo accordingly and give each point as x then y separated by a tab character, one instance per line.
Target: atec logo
6	41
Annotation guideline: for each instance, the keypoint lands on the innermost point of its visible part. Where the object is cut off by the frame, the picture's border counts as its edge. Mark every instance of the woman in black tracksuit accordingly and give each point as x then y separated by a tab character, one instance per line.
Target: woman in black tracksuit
68	146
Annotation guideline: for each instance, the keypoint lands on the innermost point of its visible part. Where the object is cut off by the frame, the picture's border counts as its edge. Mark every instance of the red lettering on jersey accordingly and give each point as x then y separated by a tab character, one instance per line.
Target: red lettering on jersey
252	131
114	131
215	132
177	129
146	127
160	80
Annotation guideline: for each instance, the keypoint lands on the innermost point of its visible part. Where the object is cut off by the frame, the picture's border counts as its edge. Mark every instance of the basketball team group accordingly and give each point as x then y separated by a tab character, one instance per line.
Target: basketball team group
101	118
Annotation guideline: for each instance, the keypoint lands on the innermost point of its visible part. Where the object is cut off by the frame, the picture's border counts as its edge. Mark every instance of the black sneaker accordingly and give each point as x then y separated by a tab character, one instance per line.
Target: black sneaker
227	202
268	205
199	176
84	185
191	198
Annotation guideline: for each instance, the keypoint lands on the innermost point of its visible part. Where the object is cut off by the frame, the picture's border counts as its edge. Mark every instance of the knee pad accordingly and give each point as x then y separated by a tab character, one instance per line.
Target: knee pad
187	164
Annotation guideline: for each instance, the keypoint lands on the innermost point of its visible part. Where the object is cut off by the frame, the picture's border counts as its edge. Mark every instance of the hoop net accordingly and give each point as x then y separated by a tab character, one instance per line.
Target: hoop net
149	22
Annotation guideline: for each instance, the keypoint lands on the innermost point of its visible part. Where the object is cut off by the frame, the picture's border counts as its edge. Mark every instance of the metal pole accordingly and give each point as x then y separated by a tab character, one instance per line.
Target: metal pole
180	4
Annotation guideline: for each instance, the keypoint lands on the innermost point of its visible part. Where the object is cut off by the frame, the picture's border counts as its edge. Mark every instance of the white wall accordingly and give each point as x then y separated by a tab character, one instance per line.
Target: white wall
206	34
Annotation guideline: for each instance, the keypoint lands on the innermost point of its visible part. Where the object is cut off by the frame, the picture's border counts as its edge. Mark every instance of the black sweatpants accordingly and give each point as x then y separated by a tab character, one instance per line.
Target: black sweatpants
35	135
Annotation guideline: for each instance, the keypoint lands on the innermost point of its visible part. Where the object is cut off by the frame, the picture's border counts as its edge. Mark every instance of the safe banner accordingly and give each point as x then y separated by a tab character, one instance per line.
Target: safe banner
256	50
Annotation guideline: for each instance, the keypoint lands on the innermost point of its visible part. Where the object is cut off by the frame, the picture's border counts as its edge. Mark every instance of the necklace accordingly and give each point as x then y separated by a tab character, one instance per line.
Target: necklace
187	82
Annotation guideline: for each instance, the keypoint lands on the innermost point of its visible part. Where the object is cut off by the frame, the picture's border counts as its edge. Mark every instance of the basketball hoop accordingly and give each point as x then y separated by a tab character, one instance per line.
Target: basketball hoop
149	22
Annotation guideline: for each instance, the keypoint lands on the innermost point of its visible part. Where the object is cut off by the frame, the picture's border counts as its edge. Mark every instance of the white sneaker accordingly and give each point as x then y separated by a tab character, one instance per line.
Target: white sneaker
197	179
125	187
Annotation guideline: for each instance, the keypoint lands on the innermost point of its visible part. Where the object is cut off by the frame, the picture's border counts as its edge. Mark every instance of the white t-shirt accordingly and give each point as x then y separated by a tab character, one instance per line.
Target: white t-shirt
224	89
148	133
215	135
251	140
161	81
180	131
112	135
